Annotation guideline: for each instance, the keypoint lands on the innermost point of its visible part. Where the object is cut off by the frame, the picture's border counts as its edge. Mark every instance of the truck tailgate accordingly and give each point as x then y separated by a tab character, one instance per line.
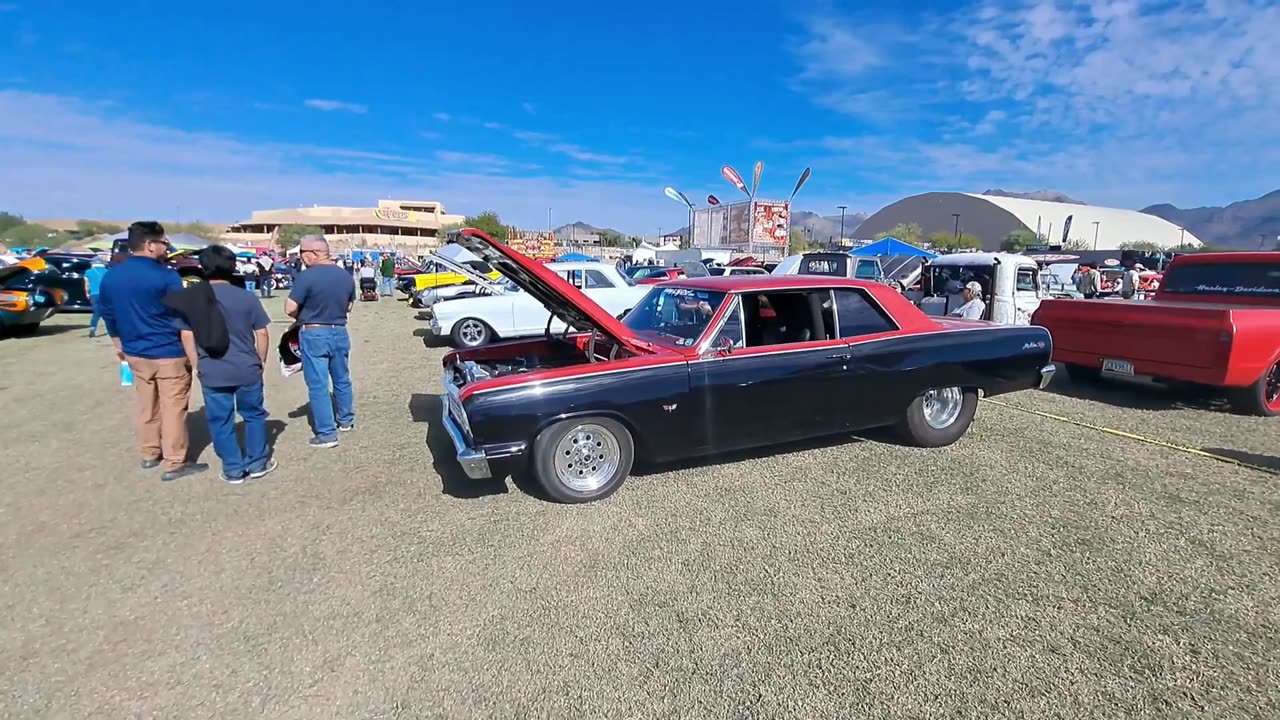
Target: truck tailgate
1188	334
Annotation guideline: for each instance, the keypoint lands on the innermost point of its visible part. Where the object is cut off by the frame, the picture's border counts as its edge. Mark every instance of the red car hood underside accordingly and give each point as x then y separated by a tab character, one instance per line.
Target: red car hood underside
562	299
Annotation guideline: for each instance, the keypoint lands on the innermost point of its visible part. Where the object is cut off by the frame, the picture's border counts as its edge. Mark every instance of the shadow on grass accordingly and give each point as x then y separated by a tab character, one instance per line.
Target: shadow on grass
199	438
1267	461
1140	395
44	330
454	482
643	468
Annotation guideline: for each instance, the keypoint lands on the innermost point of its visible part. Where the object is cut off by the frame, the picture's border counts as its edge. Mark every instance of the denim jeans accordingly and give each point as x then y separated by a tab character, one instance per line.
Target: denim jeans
250	285
97	314
325	353
220	407
264	287
386	286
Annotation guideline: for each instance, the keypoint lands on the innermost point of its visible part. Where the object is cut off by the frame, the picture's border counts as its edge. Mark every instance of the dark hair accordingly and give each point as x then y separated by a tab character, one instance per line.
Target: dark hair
218	263
142	231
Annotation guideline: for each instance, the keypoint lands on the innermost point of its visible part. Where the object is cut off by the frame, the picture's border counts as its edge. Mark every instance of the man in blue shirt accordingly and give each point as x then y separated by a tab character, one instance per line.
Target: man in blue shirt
92	287
146	337
320	301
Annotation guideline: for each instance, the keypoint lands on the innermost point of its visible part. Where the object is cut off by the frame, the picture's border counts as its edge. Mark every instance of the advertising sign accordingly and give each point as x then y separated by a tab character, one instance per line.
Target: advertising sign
770	222
537	244
392	214
739	232
709	226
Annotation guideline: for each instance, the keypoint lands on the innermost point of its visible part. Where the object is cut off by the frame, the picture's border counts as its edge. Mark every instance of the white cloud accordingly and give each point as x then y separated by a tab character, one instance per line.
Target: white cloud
335	106
1128	102
528	107
442	117
452	157
66	157
493	125
9	7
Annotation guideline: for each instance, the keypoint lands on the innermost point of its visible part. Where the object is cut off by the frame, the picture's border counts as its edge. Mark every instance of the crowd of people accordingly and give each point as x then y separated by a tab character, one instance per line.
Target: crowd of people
165	332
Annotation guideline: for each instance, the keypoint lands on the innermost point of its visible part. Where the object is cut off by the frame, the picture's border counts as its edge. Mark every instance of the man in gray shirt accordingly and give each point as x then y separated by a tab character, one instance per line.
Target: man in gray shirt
321	300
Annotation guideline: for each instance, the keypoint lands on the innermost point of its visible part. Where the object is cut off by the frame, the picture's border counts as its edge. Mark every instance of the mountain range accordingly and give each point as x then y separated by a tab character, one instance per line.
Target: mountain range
1237	226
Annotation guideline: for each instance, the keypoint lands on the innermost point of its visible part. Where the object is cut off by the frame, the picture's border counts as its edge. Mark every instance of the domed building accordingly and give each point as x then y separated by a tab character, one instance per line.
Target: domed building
991	218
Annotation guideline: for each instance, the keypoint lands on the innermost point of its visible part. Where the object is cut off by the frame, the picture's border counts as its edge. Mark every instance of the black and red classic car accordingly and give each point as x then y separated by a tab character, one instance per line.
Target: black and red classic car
705	365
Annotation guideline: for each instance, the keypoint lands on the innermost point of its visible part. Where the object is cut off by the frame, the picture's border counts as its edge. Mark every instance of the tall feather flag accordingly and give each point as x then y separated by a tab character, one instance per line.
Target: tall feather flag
804	177
755	177
713	200
1066	229
732	176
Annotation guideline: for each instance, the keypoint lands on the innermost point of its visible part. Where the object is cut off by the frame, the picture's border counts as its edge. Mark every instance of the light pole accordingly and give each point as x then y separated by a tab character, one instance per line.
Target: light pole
957	217
842	209
1096	225
1182	237
683	199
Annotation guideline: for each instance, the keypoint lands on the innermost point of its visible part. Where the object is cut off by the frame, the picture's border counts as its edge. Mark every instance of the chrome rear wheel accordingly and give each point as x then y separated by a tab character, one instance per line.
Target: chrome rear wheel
942	407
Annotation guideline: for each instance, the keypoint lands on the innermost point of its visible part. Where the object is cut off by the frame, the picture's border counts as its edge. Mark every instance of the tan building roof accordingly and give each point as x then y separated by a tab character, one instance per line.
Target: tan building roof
391	213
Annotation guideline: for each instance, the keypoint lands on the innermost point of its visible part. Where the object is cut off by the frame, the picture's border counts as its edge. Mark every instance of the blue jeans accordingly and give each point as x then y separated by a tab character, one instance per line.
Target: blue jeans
250	285
325	353
220	407
264	288
386	286
97	314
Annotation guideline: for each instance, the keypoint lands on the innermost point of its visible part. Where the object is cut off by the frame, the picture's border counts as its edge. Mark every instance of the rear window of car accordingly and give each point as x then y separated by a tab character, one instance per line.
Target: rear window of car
1224	279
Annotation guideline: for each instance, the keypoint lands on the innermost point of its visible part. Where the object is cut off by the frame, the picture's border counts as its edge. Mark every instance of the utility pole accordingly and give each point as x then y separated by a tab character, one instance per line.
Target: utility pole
1096	224
957	217
842	209
1182	237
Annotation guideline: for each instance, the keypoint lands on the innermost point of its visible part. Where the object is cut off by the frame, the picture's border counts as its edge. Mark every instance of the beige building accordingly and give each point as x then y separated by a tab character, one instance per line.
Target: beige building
409	225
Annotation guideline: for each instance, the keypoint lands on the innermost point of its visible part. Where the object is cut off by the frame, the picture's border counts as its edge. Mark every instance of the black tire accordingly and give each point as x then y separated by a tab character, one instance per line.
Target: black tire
583	429
916	429
1083	374
1262	398
465	334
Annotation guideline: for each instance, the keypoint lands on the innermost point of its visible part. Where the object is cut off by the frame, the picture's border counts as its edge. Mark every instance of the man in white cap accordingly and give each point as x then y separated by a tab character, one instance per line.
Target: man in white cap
973	307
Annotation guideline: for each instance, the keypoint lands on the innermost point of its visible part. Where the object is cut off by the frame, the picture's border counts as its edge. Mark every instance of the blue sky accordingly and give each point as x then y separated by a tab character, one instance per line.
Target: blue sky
153	109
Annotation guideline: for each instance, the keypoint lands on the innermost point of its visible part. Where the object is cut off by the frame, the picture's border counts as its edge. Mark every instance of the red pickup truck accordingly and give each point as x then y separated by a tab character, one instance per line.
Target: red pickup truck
1214	321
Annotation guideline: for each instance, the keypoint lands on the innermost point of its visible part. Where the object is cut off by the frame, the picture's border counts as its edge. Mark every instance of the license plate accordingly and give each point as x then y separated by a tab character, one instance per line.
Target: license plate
1118	367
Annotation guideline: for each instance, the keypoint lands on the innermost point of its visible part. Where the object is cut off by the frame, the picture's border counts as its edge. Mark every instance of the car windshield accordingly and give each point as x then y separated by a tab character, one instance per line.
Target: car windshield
949	279
674	316
642	272
1232	278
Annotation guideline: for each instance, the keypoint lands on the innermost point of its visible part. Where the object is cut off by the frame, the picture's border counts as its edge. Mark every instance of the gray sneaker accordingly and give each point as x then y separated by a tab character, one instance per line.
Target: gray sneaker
346	428
270	467
317	442
233	480
184	471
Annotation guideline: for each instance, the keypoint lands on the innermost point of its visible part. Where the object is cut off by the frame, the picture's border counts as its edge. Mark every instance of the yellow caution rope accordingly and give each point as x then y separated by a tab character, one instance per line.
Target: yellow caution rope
1139	438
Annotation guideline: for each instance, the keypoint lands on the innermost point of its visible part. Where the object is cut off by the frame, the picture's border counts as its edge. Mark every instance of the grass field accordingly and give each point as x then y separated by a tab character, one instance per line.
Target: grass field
1035	569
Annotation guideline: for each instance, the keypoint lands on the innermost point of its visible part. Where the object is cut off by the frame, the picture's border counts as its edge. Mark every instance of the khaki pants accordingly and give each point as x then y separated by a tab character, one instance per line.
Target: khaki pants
164	391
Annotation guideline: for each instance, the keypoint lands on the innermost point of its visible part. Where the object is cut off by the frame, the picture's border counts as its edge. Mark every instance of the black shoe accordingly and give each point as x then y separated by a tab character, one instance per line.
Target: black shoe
149	464
183	471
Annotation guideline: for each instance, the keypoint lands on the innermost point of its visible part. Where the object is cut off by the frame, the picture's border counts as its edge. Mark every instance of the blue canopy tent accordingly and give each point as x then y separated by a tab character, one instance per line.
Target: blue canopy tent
891	246
575	257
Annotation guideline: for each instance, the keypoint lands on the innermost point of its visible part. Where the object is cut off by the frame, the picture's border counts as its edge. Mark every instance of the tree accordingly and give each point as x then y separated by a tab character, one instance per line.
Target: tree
1077	244
9	220
612	238
909	233
1141	246
1019	240
948	242
85	228
289	236
34	234
197	228
800	243
489	223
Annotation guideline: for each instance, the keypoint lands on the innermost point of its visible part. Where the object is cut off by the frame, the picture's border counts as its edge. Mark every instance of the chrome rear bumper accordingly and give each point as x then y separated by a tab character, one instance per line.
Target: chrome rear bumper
1046	374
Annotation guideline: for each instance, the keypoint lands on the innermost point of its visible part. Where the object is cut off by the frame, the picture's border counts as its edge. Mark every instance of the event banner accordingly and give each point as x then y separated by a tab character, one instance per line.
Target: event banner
770	222
537	244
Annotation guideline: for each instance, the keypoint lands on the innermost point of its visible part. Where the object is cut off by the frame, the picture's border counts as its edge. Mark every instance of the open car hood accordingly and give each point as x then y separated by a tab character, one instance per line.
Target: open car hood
562	299
468	272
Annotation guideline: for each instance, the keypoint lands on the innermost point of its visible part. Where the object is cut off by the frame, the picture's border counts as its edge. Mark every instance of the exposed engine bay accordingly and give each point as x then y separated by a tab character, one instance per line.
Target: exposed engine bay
469	371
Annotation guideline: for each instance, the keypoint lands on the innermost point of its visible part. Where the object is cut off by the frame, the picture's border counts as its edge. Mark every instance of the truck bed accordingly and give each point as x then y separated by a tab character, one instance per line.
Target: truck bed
1220	344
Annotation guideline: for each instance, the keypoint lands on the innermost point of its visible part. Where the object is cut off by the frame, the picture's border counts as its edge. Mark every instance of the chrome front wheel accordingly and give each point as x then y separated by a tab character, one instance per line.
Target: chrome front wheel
583	459
587	457
942	407
471	332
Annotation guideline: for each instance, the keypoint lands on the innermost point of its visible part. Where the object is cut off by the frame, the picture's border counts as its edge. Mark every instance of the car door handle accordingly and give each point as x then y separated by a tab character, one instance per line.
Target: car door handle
841	356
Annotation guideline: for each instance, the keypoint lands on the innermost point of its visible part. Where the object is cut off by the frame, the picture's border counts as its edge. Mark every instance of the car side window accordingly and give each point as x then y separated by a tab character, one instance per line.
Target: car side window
867	270
1026	280
732	328
858	315
784	318
596	279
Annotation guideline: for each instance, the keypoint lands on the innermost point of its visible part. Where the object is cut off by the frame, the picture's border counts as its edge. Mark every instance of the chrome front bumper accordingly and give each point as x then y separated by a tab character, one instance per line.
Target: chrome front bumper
1046	374
474	462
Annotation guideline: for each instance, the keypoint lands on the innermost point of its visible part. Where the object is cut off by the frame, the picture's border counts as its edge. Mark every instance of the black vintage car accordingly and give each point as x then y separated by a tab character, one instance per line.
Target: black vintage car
66	272
706	365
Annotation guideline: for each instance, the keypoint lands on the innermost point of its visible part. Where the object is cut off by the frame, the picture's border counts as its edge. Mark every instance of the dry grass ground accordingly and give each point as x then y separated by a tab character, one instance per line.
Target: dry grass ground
1035	569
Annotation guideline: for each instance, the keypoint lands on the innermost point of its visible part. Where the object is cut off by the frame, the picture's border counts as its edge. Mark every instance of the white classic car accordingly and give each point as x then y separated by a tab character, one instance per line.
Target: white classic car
476	284
474	321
